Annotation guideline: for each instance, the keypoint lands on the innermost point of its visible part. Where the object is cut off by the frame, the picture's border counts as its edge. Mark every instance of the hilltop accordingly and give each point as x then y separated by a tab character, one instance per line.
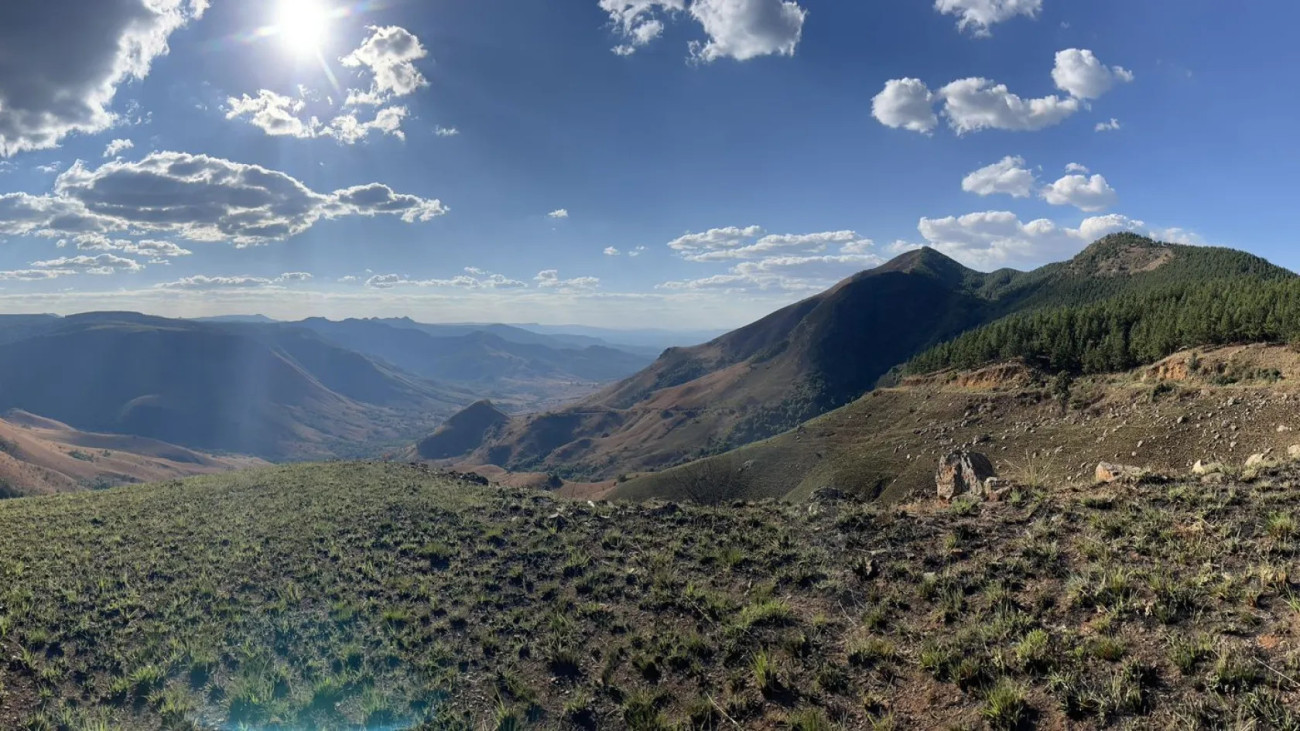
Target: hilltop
822	353
385	596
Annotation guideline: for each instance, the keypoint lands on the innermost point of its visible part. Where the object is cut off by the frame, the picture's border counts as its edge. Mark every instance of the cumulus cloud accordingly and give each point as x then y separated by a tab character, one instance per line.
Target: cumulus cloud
992	239
205	282
790	262
1083	76
1110	126
550	279
389	54
100	264
33	275
446	131
978	16
387	57
195	197
735	29
976	103
1008	176
279	115
151	248
1075	167
1082	192
63	63
638	251
560	213
611	251
473	278
117	147
906	104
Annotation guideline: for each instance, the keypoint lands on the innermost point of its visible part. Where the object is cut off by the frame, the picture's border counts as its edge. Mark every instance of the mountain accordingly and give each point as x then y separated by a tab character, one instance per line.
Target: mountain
275	392
1217	405
462	432
41	456
823	352
494	360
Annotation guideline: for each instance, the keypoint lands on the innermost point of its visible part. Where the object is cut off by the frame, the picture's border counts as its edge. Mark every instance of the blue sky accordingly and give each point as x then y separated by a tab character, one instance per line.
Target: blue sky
671	163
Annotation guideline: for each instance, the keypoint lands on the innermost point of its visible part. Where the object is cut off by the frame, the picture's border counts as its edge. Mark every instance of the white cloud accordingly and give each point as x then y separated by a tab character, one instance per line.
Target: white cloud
275	114
473	278
992	239
745	29
788	262
446	131
1086	194
1075	167
205	282
63	63
1083	76
117	147
1110	126
53	167
1008	176
978	16
638	251
611	251
100	264
389	54
905	103
34	275
736	29
279	115
550	279
976	104
560	213
145	247
195	197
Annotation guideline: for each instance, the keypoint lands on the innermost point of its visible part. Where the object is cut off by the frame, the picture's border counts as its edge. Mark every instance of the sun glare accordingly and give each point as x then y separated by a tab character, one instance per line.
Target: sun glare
302	25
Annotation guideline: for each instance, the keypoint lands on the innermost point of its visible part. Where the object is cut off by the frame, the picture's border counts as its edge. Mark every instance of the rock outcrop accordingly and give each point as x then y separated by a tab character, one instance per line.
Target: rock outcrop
963	473
1110	473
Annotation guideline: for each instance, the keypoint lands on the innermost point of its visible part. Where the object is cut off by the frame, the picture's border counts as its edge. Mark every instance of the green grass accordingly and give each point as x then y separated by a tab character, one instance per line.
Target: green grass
387	597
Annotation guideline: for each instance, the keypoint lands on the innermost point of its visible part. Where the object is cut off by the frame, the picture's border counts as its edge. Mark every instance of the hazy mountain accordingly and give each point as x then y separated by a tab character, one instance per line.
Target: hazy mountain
492	356
270	391
815	355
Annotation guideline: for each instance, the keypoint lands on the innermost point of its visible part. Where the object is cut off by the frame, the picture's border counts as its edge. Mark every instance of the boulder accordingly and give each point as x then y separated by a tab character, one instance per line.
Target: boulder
1293	451
1256	461
1109	473
1202	468
963	473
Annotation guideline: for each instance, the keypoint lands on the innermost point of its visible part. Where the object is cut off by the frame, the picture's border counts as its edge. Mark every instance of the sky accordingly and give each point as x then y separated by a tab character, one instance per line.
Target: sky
616	163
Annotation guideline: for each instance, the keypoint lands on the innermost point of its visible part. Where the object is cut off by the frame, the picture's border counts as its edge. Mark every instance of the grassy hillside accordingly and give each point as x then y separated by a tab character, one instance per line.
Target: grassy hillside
41	456
816	355
382	596
1224	404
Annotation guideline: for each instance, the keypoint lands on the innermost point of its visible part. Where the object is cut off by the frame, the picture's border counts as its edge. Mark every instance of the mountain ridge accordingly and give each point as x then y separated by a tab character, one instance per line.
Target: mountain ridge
825	351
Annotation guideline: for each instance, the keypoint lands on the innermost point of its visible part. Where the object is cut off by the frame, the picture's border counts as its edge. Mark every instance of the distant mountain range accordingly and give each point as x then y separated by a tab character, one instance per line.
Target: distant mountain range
826	351
308	390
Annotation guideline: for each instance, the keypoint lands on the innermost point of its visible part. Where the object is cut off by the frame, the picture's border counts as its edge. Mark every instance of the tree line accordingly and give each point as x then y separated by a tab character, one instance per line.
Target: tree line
1129	330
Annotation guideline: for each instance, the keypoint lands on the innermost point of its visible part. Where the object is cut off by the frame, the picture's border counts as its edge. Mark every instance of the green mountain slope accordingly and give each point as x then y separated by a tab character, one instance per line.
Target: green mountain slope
826	351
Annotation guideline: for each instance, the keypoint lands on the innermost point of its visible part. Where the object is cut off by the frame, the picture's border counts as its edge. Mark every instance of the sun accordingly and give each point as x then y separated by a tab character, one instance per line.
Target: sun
303	25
